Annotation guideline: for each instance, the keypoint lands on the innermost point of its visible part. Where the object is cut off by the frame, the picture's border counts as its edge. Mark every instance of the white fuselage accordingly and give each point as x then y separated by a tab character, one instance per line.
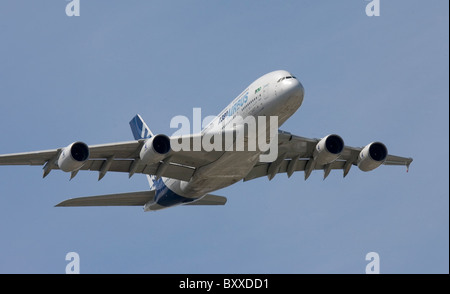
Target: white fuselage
275	94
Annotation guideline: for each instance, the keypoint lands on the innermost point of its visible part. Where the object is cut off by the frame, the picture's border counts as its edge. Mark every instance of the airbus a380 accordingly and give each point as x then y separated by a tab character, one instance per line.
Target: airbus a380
186	177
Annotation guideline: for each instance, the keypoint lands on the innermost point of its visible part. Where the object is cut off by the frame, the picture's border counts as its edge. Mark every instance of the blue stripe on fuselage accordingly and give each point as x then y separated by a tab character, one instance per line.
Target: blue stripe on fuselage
166	197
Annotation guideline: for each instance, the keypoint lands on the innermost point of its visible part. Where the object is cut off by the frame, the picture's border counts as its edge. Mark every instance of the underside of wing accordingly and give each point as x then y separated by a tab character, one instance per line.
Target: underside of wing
148	156
297	153
128	157
28	158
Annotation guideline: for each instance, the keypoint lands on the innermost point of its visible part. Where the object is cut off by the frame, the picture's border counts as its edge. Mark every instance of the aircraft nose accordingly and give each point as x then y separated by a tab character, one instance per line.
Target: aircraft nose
293	87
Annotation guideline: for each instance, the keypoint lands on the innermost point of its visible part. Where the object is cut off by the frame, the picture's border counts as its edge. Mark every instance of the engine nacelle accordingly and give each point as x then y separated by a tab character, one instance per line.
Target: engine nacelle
155	149
372	156
328	149
73	157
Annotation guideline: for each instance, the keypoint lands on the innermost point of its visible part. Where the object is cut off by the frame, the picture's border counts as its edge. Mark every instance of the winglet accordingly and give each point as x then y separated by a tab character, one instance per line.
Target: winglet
408	164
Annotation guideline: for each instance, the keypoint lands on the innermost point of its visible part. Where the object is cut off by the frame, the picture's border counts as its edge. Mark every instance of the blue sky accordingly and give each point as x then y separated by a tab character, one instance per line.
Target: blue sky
367	79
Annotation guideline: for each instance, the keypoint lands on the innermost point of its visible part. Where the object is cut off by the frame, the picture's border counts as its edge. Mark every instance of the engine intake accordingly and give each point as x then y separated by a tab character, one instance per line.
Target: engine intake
73	157
155	149
328	149
372	156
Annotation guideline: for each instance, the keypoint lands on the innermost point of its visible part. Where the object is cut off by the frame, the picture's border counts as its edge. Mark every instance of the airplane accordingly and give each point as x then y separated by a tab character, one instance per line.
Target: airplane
187	177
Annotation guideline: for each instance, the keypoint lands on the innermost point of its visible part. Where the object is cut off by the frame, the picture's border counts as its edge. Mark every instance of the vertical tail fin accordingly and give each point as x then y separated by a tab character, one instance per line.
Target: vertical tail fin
152	182
139	128
142	131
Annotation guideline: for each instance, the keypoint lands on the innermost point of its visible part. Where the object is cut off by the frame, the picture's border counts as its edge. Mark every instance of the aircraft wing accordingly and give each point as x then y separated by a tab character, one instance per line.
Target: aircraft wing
297	153
120	157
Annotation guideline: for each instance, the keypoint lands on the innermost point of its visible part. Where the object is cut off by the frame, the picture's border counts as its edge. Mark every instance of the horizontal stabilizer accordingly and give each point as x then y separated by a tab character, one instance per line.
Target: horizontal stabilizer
210	199
123	199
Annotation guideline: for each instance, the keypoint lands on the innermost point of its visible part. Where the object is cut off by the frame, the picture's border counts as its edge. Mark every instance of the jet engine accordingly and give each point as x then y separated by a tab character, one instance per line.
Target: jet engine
73	157
155	149
372	156
328	149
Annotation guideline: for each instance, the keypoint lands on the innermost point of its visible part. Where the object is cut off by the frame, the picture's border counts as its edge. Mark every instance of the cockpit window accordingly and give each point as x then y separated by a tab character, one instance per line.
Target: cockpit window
285	78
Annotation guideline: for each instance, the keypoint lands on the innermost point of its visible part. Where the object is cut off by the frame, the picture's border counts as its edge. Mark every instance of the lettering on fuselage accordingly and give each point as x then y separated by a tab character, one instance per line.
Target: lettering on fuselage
235	107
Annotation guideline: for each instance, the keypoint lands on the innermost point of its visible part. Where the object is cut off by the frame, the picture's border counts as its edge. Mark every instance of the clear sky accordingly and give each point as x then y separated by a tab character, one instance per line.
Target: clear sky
381	78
